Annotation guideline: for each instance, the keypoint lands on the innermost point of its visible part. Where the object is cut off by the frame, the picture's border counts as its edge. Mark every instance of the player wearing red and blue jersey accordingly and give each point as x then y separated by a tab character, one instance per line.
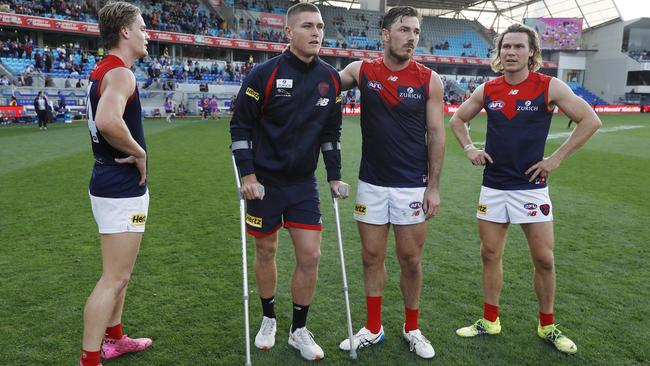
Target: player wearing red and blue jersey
402	155
519	108
118	190
287	111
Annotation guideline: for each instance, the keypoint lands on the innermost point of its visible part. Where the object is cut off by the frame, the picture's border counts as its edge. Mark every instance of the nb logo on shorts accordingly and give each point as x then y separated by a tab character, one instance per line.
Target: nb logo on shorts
482	209
360	209
138	219
254	221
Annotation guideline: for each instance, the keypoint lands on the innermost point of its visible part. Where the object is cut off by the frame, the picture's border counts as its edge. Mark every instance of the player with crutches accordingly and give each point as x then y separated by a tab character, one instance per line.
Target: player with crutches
288	109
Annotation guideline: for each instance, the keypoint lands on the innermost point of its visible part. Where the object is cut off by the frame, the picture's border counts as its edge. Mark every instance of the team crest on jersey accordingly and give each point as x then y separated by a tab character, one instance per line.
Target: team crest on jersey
360	209
375	85
254	221
526	106
138	219
408	92
545	208
323	88
482	209
496	105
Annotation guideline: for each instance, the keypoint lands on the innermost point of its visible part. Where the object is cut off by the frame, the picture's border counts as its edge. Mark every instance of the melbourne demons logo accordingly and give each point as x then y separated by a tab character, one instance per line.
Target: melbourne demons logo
496	105
323	88
375	85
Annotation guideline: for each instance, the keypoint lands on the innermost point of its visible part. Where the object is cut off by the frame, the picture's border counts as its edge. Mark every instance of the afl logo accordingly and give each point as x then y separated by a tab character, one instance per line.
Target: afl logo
375	85
530	206
415	205
496	105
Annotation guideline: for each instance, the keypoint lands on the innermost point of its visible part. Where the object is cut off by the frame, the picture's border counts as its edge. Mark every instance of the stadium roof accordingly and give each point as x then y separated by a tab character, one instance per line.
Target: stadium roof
499	14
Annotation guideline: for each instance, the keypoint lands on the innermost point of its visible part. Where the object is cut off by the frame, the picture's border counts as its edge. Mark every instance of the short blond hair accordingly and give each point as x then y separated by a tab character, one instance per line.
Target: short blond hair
534	62
112	18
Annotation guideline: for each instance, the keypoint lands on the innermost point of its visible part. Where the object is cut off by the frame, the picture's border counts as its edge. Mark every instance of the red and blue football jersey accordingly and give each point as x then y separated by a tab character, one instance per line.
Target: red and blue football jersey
518	121
393	124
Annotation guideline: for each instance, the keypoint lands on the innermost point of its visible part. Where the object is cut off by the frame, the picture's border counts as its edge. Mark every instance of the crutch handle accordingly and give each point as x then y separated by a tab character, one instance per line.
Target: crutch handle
343	191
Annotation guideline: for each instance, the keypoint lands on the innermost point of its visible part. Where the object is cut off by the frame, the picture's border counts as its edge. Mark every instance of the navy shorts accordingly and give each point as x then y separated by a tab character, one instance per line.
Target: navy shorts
293	205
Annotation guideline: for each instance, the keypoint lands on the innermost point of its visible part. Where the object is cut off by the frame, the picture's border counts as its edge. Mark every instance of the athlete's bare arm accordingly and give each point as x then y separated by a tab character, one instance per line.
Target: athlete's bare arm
467	111
350	75
435	144
117	86
581	113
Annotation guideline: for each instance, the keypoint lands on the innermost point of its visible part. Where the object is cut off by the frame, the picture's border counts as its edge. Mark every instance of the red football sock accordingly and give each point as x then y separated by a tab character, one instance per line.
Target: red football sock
89	358
411	319
373	313
114	332
546	319
490	312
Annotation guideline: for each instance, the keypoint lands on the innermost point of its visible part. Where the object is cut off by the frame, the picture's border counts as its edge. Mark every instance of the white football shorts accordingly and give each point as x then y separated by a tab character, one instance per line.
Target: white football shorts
120	215
517	207
380	205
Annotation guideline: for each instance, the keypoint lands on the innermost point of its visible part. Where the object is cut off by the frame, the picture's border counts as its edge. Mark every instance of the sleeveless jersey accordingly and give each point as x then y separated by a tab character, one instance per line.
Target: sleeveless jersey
393	124
110	179
518	121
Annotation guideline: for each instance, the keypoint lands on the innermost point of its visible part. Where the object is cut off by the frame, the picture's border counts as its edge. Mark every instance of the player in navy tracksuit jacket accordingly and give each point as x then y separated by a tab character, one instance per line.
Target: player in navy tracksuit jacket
288	110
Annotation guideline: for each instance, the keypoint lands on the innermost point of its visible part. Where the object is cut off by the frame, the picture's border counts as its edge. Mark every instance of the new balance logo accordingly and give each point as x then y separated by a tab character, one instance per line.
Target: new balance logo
392	78
322	102
513	92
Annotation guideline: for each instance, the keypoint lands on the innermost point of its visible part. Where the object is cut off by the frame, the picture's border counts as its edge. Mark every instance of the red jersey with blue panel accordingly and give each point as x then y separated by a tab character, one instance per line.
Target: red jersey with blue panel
110	179
393	124
518	121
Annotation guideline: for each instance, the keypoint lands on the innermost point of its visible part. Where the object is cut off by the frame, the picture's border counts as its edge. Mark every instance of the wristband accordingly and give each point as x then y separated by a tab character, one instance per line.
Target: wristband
468	147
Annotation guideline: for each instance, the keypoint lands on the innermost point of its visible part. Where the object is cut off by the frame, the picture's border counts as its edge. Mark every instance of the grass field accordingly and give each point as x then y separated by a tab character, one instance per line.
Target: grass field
185	292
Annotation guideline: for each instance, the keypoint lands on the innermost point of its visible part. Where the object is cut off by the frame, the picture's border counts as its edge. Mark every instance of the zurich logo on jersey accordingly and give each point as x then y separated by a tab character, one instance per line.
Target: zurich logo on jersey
375	85
526	106
409	92
496	105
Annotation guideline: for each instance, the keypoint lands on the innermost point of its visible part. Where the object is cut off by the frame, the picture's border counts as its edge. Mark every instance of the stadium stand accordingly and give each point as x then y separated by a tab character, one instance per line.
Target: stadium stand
454	37
585	94
68	65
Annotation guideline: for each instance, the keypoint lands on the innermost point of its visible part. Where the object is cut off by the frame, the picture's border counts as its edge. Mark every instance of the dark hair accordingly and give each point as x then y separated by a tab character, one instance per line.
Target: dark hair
534	62
398	12
301	8
114	16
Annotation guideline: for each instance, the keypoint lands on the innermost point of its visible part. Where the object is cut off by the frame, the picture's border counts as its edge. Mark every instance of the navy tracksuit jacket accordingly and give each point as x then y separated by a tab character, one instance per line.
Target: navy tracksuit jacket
285	112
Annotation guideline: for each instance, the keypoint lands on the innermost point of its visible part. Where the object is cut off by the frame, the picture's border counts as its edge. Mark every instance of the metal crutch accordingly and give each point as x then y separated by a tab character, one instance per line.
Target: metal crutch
242	220
343	190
